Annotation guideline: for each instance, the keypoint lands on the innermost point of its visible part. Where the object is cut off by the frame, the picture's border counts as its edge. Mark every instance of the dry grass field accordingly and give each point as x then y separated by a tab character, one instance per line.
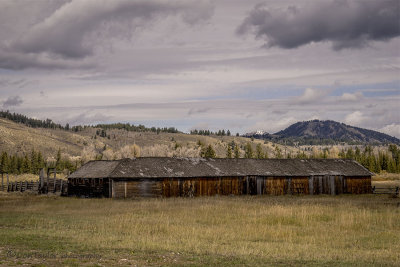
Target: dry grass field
346	230
386	180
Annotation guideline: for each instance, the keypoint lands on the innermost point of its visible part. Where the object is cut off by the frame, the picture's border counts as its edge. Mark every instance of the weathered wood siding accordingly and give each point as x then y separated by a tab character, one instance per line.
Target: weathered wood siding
276	186
202	187
211	186
357	185
299	185
141	188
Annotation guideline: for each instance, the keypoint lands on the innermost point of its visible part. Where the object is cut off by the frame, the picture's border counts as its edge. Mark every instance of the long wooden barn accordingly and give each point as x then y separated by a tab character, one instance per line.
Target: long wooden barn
174	177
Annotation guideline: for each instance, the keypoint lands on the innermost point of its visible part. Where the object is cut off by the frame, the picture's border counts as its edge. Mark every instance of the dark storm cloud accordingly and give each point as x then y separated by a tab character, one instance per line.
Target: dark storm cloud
13	101
345	23
77	28
17	61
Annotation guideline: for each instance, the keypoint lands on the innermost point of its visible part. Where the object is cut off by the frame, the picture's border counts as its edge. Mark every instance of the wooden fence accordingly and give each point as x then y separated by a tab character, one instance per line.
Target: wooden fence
45	185
394	191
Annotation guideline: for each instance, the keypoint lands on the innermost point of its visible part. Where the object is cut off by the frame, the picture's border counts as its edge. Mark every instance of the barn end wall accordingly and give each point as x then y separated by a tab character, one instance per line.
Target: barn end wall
89	187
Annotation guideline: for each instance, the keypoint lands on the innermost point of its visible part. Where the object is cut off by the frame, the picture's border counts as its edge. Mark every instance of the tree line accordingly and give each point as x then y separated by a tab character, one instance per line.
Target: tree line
208	132
137	128
33	162
382	161
49	124
388	161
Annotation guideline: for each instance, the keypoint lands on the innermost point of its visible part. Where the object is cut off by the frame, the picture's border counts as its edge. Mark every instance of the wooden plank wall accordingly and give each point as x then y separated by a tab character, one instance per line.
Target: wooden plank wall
184	187
142	188
276	186
357	185
202	187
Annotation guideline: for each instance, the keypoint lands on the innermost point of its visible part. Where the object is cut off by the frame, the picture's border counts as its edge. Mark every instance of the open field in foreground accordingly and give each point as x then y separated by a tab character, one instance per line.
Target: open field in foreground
346	230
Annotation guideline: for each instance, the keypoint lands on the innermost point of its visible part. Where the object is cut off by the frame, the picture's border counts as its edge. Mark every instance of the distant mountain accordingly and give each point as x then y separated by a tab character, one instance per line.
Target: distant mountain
326	132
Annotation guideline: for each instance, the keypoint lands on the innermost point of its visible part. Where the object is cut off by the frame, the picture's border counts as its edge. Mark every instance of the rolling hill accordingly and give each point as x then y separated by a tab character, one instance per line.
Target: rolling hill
325	132
17	138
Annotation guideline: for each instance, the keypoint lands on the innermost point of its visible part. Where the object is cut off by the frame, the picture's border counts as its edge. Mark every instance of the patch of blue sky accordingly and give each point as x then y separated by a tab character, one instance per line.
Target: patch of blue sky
373	90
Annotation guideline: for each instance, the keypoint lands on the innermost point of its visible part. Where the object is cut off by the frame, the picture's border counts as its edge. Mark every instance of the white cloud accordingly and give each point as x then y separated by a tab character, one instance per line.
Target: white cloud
356	118
391	129
311	95
351	97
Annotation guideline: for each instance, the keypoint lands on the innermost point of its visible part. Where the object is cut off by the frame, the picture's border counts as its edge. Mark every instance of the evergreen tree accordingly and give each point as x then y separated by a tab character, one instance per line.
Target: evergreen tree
34	162
349	154
229	152
40	160
236	152
4	163
357	155
278	152
209	153
20	165
248	151
58	160
26	167
259	151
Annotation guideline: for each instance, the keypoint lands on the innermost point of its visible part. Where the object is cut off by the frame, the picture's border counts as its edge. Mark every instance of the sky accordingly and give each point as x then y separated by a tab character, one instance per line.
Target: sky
194	64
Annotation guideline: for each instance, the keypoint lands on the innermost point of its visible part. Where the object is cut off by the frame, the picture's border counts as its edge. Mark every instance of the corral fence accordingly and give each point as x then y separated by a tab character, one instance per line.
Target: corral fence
45	185
394	191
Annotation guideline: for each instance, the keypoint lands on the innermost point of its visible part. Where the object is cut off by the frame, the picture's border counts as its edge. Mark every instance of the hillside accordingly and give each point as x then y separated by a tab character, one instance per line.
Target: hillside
328	132
19	138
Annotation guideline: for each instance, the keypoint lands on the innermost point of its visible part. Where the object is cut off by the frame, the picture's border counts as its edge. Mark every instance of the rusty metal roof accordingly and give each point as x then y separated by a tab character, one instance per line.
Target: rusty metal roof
153	167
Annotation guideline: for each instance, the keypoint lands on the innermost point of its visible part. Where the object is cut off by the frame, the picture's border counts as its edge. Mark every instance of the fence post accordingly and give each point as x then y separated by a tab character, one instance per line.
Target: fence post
48	181
7	182
41	181
54	185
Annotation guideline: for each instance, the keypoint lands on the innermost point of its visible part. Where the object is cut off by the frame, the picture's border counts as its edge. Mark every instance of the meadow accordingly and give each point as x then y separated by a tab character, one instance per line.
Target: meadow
345	230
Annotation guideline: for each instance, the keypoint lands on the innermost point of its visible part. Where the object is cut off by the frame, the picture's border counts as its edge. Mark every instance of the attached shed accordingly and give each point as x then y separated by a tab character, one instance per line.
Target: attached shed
173	177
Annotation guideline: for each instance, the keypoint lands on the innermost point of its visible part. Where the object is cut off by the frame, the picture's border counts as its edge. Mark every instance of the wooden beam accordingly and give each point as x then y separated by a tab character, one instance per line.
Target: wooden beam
112	189
48	180
109	188
332	181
